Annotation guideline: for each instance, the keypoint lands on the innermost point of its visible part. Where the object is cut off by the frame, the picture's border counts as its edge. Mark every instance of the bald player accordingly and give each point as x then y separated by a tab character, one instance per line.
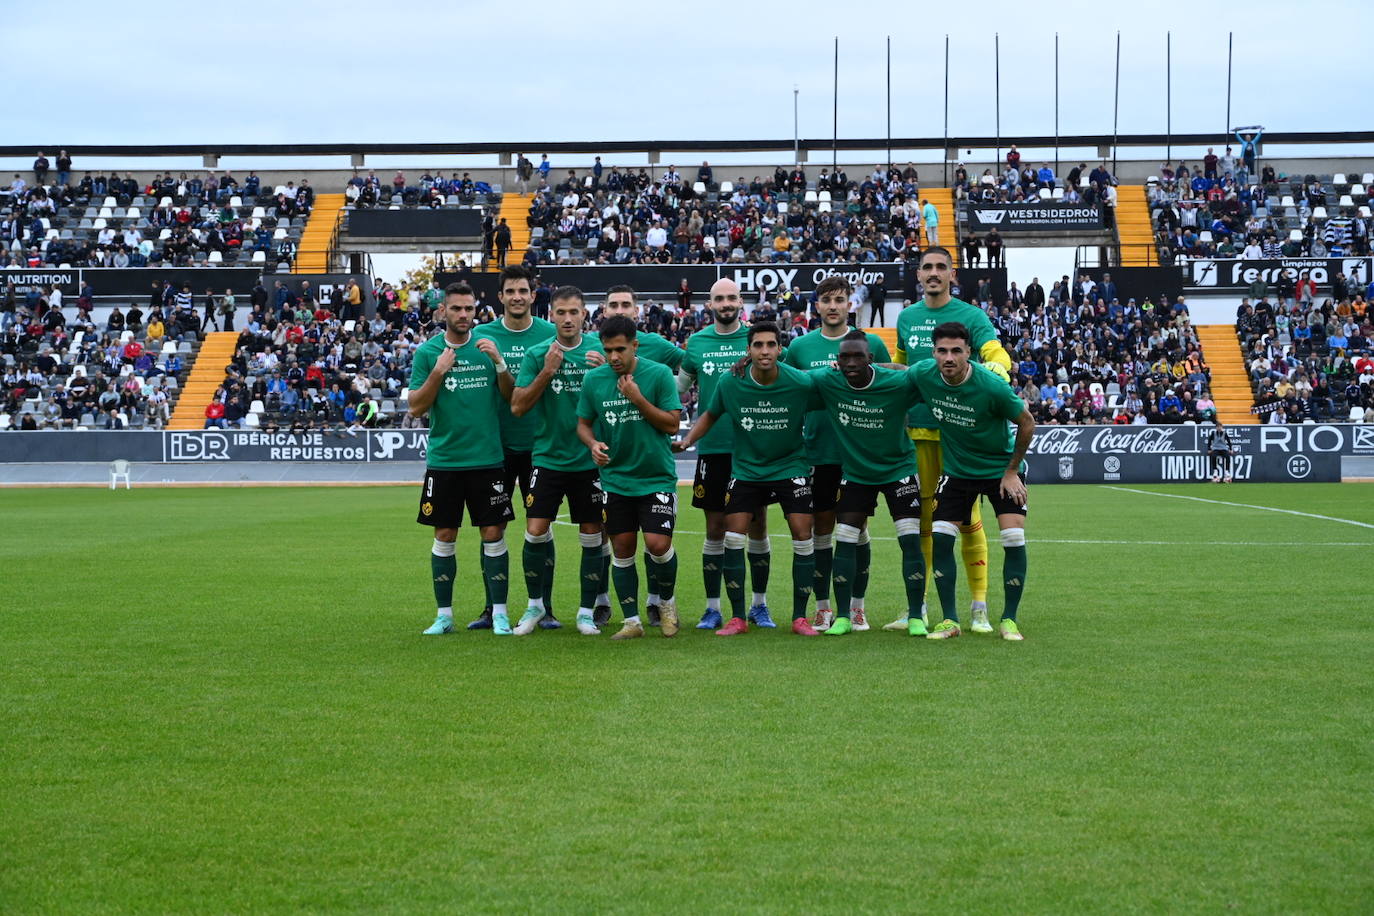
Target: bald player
712	352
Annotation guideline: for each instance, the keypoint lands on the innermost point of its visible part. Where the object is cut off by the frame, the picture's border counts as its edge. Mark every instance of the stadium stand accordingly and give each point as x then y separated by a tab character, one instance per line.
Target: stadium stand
318	236
109	221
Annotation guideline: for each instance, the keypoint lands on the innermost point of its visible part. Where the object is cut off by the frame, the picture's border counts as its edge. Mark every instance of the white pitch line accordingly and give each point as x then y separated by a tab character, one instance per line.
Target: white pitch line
878	537
1222	502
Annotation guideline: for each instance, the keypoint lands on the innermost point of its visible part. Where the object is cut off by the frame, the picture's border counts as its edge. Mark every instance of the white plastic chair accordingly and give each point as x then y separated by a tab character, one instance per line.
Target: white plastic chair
120	468
727	187
699	187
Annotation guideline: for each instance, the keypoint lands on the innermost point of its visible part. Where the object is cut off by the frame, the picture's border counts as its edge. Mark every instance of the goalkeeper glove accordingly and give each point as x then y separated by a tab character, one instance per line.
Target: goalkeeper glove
1000	371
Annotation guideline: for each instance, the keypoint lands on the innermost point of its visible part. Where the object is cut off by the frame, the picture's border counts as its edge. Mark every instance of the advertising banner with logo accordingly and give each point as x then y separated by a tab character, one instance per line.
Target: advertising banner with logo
1033	217
130	282
1059	454
665	279
1237	274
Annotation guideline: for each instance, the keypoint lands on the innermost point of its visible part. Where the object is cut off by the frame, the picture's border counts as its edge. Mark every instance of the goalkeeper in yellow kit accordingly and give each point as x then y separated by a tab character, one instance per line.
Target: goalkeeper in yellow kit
914	327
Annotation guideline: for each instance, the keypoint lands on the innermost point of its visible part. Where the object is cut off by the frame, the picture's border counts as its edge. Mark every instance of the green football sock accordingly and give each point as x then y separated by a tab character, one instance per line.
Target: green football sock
712	558
496	574
626	579
532	558
444	570
591	582
863	559
733	573
946	575
547	592
825	557
843	576
760	565
606	567
665	574
913	572
1013	579
482	565
803	577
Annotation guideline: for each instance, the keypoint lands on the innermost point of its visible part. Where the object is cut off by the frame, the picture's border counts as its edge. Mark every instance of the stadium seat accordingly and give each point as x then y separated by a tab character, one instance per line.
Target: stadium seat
169	347
259	257
259	213
110	202
1367	178
1205	236
1287	201
134	213
811	197
727	187
1319	213
1358	191
125	337
1045	194
1295	235
1339	179
257	407
4	421
98	224
824	197
699	187
165	203
349	325
824	206
1357	414
164	235
236	202
1057	194
1364	212
250	421
783	208
216	258
1347	201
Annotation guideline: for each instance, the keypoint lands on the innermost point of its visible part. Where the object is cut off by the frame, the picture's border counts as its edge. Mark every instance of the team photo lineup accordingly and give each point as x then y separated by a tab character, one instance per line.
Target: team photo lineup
824	425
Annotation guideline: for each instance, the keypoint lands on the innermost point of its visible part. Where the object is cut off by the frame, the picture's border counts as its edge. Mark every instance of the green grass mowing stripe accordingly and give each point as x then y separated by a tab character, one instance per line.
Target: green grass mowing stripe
249	720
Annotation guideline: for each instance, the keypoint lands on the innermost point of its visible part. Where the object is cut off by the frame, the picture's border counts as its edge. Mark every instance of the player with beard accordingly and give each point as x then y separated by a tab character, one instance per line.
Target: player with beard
819	349
514	333
712	352
975	408
914	327
767	404
462	382
548	387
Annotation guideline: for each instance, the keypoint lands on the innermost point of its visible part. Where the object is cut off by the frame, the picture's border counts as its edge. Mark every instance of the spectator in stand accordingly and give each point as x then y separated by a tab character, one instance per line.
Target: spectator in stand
214	415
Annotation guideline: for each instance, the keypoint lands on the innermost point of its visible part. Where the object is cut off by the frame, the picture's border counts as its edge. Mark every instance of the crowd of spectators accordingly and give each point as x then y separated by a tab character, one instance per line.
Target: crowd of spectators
1214	209
609	216
1309	360
432	190
64	372
112	221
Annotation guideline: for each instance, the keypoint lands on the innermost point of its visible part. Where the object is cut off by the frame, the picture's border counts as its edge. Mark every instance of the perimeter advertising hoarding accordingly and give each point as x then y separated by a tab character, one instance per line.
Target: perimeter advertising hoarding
1238	274
1059	454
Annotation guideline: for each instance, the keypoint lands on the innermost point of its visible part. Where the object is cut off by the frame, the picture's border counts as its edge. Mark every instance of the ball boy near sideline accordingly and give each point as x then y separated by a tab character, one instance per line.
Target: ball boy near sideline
819	349
973	407
626	413
463	384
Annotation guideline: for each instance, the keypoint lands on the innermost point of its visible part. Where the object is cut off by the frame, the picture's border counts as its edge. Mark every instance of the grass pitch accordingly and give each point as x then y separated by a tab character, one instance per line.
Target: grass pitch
219	700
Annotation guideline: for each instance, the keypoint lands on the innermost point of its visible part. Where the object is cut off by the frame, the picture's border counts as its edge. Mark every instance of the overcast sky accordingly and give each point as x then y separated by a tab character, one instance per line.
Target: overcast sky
349	71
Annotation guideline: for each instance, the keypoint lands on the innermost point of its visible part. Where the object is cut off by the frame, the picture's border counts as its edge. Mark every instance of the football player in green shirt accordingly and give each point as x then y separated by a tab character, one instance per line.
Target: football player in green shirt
914	325
768	404
818	349
868	405
514	333
712	352
627	412
974	407
620	300
548	388
462	382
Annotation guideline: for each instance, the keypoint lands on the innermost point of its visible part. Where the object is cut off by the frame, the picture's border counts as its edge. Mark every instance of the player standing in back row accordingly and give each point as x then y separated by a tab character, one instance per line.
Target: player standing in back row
514	333
819	349
974	406
462	383
712	352
548	388
914	327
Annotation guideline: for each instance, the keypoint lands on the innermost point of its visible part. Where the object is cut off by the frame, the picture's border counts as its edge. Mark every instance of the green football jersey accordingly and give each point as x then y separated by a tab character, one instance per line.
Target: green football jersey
914	325
641	456
710	355
816	351
869	421
975	436
517	433
768	422
659	349
556	445
464	429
